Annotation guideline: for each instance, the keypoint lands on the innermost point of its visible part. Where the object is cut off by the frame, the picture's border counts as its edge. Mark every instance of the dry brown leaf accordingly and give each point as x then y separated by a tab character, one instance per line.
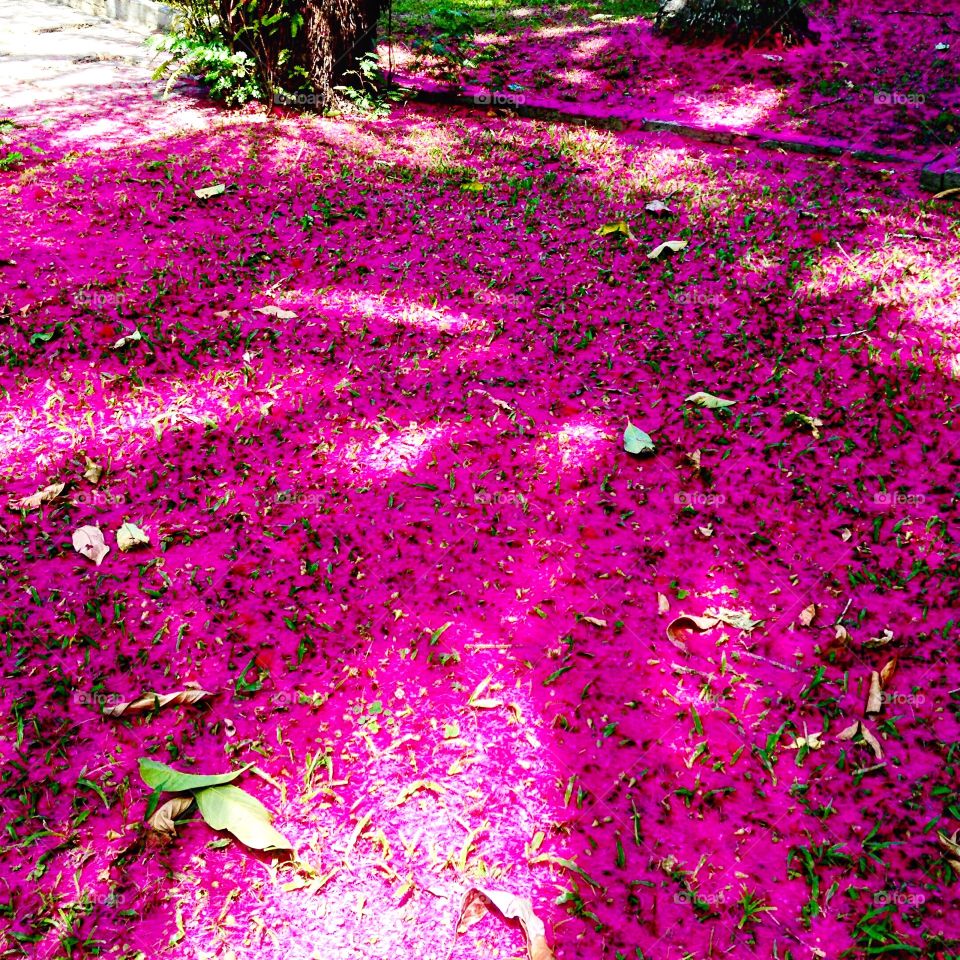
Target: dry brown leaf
881	641
596	621
93	471
887	672
671	246
88	541
842	635
951	847
859	727
35	500
809	614
848	733
875	695
278	312
663	604
156	701
874	743
510	907
688	622
163	817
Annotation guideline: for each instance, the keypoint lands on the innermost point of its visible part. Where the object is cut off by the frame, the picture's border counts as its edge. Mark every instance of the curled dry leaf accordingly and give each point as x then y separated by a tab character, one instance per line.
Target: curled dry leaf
205	193
951	847
859	727
793	418
809	614
89	542
881	641
93	471
130	536
688	622
668	246
35	500
871	740
156	701
712	402
812	741
874	696
619	226
848	733
658	208
887	672
278	312
477	902
663	604
129	338
163	818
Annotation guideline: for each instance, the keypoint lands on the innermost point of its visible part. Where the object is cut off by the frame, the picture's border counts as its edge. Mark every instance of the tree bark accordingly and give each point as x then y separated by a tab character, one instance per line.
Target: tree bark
307	62
737	21
337	33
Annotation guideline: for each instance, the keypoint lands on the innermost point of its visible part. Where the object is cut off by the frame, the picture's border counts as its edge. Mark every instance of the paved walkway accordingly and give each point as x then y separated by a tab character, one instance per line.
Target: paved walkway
50	52
85	80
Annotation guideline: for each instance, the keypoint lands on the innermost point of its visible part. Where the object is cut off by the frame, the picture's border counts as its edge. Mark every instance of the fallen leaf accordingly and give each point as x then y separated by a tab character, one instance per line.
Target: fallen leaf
657	208
161	777
881	641
473	186
688	622
162	820
952	848
510	907
594	620
129	536
887	672
870	739
619	226
205	193
156	701
129	338
636	441
738	619
663	604
278	312
673	246
809	614
486	703
227	807
89	542
794	418
35	500
874	696
708	400
848	733
93	472
811	741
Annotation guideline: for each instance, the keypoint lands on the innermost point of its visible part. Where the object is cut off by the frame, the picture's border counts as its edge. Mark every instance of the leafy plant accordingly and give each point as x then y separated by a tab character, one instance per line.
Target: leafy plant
230	76
222	805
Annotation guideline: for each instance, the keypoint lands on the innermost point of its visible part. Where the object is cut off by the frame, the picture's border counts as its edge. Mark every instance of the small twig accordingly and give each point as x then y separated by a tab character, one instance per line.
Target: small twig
826	103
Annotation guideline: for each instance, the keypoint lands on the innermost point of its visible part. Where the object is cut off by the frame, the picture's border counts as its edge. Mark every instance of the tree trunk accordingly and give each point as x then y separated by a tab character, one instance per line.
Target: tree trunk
309	46
737	21
336	34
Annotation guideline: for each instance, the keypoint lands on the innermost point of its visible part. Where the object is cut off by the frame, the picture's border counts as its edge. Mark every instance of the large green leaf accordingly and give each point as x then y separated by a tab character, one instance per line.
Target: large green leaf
230	808
636	440
161	777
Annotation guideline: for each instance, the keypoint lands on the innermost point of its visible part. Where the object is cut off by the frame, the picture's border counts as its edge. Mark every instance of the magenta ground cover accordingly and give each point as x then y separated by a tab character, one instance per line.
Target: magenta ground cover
367	403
